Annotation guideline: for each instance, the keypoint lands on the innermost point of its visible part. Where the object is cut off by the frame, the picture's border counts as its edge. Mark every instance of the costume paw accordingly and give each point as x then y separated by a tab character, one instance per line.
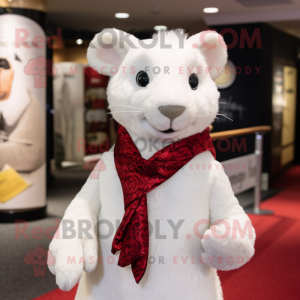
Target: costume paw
226	253
72	256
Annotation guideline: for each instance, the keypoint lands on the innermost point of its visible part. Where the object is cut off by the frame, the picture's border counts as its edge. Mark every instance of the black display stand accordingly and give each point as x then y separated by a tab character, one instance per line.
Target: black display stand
11	216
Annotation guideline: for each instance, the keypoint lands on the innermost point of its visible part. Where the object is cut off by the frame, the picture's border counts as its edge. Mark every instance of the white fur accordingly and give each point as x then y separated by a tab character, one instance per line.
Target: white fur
198	191
163	89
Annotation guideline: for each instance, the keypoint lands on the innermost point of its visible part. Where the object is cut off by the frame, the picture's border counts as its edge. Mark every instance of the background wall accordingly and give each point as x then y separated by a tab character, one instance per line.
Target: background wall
249	99
76	54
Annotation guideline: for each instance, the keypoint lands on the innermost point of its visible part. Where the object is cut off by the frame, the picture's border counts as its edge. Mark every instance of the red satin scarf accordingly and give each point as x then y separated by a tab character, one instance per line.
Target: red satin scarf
138	177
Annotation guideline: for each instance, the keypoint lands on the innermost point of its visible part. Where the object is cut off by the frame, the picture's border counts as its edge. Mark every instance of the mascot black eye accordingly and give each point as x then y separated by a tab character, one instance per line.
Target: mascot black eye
142	79
193	81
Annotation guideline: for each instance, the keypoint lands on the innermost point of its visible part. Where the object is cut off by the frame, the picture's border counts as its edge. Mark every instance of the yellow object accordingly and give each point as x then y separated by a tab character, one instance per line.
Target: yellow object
287	154
289	115
29	4
11	184
289	105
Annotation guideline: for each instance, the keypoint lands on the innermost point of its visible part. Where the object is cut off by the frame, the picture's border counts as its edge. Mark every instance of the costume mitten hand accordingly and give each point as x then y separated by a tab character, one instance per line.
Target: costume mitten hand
230	244
75	245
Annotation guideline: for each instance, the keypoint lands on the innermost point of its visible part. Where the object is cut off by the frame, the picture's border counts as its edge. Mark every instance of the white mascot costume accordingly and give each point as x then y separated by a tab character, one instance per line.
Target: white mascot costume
162	93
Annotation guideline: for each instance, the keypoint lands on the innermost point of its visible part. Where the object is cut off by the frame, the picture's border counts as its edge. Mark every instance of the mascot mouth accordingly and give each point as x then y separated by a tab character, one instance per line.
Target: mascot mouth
170	130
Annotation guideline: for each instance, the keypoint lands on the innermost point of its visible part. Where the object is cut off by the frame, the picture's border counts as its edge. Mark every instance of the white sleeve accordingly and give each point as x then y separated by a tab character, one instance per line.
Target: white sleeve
231	236
79	239
90	192
223	203
87	200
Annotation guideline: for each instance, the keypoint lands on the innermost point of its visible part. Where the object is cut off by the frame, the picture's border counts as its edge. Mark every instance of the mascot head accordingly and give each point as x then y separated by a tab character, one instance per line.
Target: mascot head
161	88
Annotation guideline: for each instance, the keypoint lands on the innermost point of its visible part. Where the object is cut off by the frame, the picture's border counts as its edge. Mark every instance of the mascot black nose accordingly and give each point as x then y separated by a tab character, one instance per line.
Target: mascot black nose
171	111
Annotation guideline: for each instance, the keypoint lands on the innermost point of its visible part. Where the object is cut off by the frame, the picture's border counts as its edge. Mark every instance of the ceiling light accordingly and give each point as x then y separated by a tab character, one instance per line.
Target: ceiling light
160	27
210	10
79	42
122	15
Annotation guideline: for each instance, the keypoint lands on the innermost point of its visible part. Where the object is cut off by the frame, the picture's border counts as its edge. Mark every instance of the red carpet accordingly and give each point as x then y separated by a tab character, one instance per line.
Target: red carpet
273	273
57	294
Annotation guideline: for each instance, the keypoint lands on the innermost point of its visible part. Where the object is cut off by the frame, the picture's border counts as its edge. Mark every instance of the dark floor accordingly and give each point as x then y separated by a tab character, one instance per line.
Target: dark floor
17	281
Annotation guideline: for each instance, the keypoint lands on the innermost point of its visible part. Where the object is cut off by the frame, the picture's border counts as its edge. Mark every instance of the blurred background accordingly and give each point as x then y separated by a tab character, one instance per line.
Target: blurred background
54	125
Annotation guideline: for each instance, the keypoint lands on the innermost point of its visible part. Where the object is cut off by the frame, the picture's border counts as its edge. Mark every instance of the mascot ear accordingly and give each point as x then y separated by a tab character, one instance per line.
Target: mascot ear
213	48
108	49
